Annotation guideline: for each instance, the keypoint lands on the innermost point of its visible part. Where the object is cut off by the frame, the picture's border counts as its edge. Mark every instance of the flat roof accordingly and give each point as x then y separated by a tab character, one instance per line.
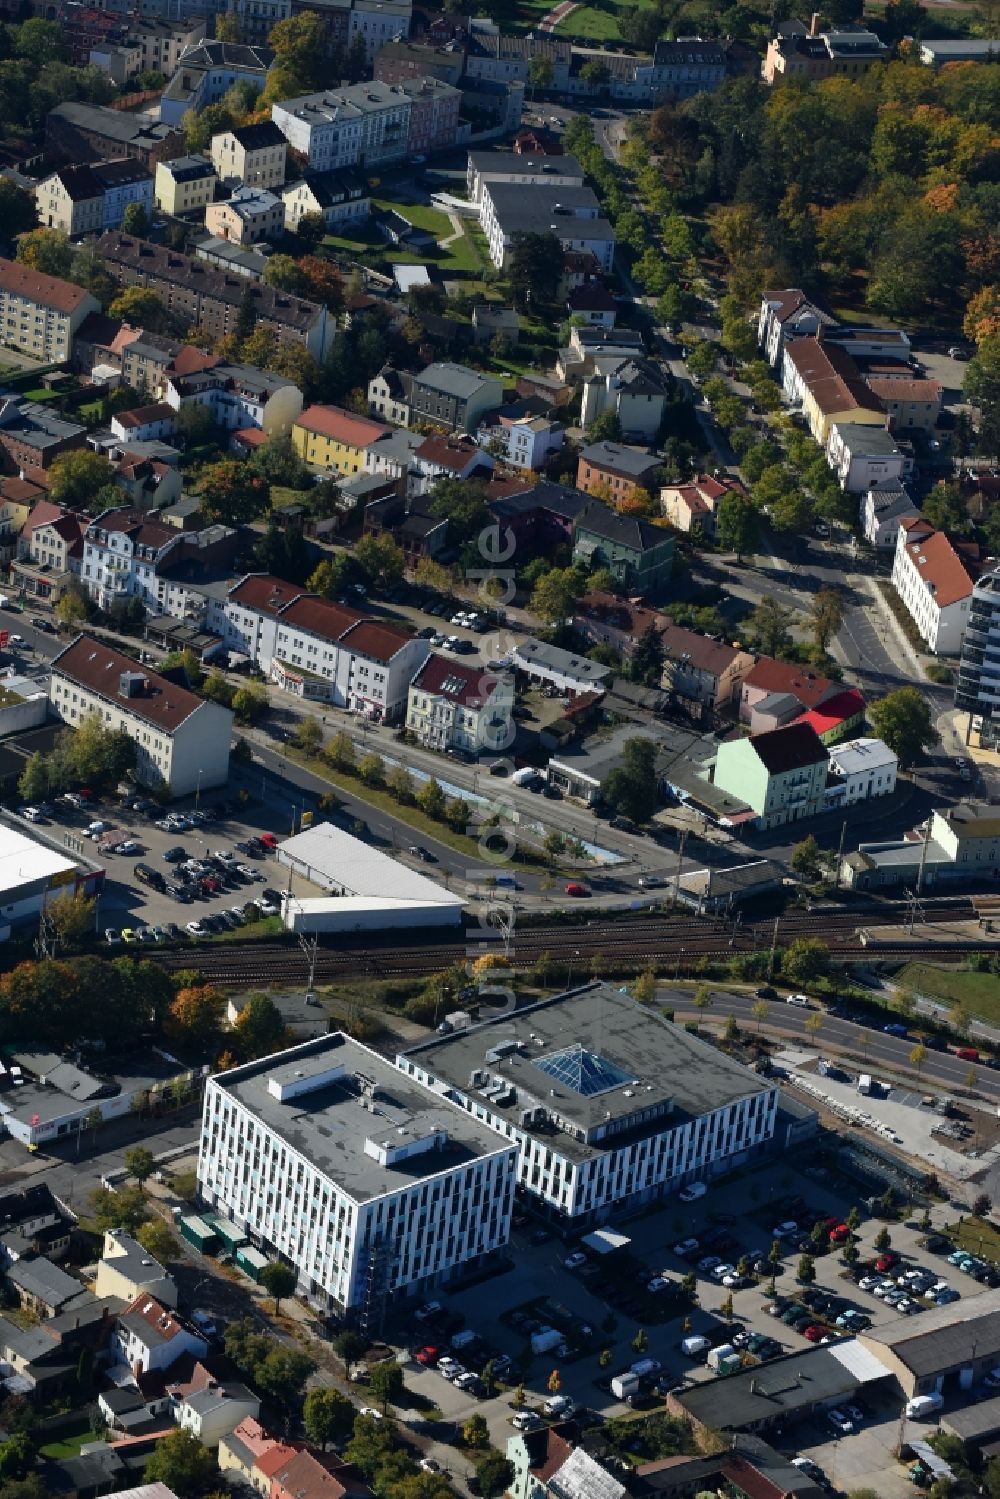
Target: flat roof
23	860
943	1336
324	1118
328	856
774	1391
590	1057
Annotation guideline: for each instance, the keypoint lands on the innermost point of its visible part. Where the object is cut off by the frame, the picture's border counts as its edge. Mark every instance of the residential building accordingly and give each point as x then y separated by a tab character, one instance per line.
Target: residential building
885	506
49	551
251	215
196	293
238	395
453	396
528	442
328	652
780	774
378	22
214	1411
705	674
434	110
332	1125
163	42
90	198
594	302
572	214
633	389
693	507
412	527
16	499
497	57
311	1475
934	578
814	55
639	555
859	770
184	184
685	67
334	439
455	706
397	61
339	198
782	691
389	395
548	1464
128	1270
551	666
484	169
839	718
123	551
363	124
446	457
961	845
253	155
937	51
206	71
122	61
39	314
32	436
145	423
978	688
495	325
615	472
95	132
784	316
911	405
861	456
150	1338
609	1105
829	385
182	741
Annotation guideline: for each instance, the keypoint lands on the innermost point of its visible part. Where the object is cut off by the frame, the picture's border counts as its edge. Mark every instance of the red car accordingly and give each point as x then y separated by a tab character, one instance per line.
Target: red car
814	1332
887	1261
268	840
967	1054
575	888
840	1234
428	1355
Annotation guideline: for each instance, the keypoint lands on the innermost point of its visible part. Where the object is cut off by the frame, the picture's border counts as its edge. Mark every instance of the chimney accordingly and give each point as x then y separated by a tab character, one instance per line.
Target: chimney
814	23
137	1368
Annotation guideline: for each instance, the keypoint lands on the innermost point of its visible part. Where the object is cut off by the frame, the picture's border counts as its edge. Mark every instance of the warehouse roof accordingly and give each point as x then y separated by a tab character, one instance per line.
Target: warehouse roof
779	1390
941	1338
337	860
23	861
346	1110
604	1069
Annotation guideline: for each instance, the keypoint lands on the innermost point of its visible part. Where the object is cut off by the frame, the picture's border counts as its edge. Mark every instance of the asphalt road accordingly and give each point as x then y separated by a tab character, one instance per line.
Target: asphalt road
865	1046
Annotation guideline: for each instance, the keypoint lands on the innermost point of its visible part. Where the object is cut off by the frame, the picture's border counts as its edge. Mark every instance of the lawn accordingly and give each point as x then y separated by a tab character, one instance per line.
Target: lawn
978	992
72	1439
598	22
464	255
976	1236
420	215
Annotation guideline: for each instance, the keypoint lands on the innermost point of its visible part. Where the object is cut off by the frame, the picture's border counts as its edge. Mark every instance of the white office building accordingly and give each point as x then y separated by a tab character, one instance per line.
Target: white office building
372	1186
181	739
610	1105
364	124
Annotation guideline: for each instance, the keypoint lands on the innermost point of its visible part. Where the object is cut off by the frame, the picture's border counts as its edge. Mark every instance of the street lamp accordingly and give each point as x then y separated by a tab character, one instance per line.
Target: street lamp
197	793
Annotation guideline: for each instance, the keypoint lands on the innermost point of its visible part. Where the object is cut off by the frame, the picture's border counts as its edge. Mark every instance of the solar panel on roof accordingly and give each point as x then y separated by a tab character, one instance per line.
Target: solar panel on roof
584	1071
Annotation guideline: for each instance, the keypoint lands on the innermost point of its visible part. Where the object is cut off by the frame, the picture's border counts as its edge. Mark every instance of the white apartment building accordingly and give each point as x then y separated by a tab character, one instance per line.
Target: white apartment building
181	739
370	1185
935	585
122	550
572	214
861	455
321	650
609	1104
40	314
150	1337
483	168
365	123
453	705
860	769
378	22
238	396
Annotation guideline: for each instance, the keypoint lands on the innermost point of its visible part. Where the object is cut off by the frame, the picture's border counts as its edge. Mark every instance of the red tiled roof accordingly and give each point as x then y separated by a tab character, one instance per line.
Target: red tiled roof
19	491
320	617
47	291
905	390
938	563
784	303
138	525
191	360
448	452
251	437
43	514
835	711
159	1319
98	668
305	1477
264	592
380	642
785	676
278	1455
468	686
341	426
831	377
141	416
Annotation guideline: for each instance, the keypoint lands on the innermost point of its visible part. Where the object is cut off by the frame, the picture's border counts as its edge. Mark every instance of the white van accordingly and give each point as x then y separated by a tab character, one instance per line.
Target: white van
692	1192
922	1406
695	1346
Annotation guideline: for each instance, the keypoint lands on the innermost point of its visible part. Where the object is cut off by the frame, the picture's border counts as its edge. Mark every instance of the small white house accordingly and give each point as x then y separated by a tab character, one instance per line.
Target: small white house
885	506
215	1411
150	1336
859	769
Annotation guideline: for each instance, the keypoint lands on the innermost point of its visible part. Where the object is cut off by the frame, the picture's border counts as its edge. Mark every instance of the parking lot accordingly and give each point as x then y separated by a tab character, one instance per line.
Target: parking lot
220	861
593	1307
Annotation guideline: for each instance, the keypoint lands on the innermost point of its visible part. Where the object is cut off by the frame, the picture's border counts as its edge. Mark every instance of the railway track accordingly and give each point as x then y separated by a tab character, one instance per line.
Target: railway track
645	939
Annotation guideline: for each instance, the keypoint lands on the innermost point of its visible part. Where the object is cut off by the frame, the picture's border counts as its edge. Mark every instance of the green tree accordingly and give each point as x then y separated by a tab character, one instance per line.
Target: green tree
380	560
142	308
282	1374
72	608
882	1240
48	251
181	1462
283	273
328	1417
33	782
135	220
534	268
648	656
259	1028
826	616
640	1342
17	209
631	788
903	720
594	73
279	1280
431	799
196	1015
494	1474
554	595
308	735
385	1380
475	1432
77	478
702	359
232	493
805	1272
805	859
139	1164
124	1209
736	526
157	1240
769	625
339	750
250	702
805	960
71	916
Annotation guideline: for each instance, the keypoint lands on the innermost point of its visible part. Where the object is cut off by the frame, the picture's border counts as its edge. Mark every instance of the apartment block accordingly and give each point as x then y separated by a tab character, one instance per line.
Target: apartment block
184	184
90	198
251	154
935	578
363	124
251	216
453	705
40	314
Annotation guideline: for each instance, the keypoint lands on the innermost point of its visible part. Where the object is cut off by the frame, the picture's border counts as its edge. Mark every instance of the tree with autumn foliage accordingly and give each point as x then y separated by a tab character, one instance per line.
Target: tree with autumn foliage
231	493
196	1015
323	282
